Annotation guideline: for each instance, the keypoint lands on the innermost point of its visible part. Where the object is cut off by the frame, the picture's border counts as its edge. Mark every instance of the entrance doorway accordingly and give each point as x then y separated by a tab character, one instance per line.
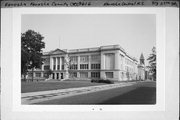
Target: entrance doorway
61	75
57	75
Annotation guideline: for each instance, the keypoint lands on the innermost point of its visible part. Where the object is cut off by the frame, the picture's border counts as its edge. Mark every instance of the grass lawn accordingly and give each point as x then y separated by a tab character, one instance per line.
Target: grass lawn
43	86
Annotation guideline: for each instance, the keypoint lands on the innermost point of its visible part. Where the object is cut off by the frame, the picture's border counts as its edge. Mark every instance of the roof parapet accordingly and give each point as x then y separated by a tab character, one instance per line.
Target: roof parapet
107	47
112	47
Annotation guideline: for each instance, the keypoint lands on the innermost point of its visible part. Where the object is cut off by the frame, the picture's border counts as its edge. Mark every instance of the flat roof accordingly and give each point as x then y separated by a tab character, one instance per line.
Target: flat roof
93	49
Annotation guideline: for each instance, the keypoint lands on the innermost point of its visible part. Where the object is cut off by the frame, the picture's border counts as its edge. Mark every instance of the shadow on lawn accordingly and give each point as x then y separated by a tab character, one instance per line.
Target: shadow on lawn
142	95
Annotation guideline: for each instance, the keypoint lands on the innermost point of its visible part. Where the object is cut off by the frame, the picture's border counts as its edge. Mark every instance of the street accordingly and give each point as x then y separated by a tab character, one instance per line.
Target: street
140	93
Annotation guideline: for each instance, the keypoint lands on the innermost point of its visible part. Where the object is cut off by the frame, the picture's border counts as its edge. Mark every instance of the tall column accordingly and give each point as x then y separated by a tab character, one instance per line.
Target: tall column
51	63
42	67
78	62
56	63
89	62
60	63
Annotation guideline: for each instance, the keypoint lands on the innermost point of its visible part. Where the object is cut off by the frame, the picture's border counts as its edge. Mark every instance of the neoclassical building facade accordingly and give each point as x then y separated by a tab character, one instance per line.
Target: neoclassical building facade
107	62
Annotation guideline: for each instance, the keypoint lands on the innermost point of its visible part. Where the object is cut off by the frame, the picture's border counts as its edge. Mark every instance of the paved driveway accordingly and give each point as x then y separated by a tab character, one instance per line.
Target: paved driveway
140	93
36	97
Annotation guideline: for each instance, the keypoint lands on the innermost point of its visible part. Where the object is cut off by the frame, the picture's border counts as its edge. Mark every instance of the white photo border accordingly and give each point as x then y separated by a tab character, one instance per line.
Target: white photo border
167	23
160	44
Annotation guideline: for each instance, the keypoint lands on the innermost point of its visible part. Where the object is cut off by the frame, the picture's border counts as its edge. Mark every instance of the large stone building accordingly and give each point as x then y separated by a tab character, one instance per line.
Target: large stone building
107	62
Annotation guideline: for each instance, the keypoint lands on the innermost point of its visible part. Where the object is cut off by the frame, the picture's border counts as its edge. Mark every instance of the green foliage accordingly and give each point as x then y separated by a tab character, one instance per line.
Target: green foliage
48	72
152	62
31	50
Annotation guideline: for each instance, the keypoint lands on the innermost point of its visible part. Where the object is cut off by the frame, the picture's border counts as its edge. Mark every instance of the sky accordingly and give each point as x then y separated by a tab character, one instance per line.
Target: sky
135	33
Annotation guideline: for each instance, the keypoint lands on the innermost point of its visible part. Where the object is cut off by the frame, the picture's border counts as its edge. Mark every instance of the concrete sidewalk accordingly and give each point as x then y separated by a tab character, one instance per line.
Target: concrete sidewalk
35	97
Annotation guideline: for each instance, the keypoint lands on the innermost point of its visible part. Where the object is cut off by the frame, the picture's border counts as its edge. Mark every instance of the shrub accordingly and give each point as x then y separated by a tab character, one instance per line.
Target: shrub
102	81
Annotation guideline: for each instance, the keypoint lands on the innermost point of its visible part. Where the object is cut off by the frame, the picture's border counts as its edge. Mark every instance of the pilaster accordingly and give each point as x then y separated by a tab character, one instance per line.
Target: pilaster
117	61
102	61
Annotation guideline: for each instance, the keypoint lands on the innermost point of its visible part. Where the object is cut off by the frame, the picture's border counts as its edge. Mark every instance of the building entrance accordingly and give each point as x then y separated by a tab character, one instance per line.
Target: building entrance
57	75
61	75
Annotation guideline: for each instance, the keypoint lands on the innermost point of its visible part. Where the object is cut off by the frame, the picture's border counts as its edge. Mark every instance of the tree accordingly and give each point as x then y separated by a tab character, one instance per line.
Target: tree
152	63
31	51
48	72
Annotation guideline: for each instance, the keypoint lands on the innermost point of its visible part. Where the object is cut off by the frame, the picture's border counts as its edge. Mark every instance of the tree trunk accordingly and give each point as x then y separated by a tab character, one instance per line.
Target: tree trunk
32	74
24	76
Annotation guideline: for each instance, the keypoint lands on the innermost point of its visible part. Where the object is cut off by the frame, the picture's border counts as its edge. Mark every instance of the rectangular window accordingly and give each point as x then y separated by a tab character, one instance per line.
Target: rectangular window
84	66
74	67
73	74
54	67
95	58
84	59
58	63
95	66
109	74
54	61
62	66
109	61
74	59
84	74
58	67
95	74
38	74
46	67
